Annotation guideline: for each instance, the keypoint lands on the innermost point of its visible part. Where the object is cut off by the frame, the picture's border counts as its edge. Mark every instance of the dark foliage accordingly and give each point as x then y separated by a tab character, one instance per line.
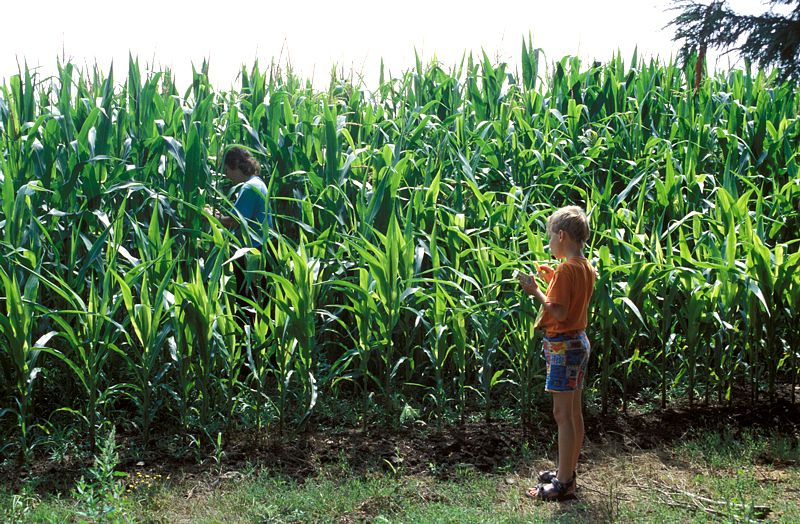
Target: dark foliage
770	39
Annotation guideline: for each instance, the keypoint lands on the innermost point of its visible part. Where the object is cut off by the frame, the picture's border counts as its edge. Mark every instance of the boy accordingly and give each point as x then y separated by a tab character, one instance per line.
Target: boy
241	167
566	348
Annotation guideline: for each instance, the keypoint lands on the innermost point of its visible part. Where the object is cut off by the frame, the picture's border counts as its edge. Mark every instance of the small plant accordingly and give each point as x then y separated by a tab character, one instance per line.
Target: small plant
610	505
101	498
21	507
143	483
408	414
218	452
395	463
338	468
465	472
195	446
61	441
526	453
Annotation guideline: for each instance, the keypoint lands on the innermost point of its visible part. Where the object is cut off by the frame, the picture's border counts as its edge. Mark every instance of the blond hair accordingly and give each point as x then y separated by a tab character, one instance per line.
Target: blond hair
573	221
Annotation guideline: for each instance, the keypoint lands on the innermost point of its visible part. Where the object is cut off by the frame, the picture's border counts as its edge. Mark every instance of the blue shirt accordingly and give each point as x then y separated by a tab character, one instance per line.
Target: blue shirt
251	204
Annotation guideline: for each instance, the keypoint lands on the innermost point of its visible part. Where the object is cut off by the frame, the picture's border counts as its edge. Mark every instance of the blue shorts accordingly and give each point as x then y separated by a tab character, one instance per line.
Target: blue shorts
567	356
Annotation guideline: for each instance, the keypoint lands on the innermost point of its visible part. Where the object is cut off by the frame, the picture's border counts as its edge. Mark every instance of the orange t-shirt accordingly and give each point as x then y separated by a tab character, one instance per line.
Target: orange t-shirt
571	286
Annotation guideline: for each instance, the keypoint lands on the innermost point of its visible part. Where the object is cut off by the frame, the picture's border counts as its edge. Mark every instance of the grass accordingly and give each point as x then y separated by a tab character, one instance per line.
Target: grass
729	474
720	449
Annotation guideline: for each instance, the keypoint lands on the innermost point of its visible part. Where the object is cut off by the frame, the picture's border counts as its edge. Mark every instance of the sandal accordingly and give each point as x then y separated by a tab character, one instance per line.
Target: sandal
557	491
548	475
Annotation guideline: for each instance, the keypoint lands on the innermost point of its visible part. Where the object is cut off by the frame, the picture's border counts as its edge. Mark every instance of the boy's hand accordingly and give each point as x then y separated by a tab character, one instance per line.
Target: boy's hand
214	212
546	272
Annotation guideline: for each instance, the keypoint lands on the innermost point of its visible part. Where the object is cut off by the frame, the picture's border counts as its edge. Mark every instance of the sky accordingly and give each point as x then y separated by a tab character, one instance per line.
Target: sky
315	35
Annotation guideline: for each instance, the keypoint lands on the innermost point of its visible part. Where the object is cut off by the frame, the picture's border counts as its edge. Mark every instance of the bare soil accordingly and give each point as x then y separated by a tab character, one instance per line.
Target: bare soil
487	447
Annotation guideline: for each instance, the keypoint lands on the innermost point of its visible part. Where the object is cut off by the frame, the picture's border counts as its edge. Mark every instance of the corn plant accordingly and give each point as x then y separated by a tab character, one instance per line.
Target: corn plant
90	343
391	265
361	305
147	305
22	350
295	311
399	213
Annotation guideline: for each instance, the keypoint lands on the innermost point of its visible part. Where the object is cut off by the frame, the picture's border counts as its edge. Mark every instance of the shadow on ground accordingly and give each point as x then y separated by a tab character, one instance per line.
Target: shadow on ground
486	447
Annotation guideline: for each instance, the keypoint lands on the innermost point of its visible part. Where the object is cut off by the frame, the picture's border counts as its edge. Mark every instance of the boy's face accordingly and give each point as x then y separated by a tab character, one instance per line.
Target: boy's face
557	243
235	174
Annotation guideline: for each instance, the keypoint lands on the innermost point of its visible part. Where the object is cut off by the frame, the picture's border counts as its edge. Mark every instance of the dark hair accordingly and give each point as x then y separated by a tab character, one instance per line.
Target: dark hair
241	159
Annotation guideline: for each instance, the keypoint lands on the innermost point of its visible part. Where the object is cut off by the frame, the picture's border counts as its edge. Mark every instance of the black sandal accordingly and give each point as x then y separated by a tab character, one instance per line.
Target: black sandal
548	475
557	492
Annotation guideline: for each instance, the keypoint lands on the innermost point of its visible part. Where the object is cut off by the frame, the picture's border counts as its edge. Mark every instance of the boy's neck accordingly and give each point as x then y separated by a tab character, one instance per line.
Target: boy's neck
573	251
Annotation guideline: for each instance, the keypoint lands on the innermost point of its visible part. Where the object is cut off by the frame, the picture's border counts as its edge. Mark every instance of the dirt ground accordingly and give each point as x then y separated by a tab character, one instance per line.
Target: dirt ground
487	447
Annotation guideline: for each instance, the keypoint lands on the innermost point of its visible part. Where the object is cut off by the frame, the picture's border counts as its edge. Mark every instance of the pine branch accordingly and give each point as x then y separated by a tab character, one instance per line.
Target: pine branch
770	39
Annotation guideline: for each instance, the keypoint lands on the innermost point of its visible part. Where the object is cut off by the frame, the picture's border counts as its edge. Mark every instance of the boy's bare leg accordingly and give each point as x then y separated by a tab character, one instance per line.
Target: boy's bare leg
563	403
577	424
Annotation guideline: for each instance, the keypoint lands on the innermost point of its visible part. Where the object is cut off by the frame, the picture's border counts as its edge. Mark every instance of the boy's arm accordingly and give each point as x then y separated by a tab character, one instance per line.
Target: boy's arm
557	311
243	206
556	302
226	220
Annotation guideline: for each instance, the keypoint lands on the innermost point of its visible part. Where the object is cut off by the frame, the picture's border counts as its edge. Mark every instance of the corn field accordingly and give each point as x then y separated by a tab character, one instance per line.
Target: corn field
399	217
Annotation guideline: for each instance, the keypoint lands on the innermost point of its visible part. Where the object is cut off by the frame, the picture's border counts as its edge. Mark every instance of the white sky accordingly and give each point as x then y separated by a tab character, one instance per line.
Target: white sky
315	34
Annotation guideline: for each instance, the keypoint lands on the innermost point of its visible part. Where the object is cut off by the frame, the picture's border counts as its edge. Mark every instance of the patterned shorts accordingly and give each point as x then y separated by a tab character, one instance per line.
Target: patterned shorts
567	356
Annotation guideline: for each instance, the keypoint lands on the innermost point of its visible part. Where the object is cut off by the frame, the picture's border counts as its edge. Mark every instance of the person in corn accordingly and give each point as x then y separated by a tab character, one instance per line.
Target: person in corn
252	217
241	167
566	348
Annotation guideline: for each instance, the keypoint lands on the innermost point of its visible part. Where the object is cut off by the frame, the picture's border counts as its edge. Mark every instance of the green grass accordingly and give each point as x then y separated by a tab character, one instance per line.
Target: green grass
721	449
617	486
